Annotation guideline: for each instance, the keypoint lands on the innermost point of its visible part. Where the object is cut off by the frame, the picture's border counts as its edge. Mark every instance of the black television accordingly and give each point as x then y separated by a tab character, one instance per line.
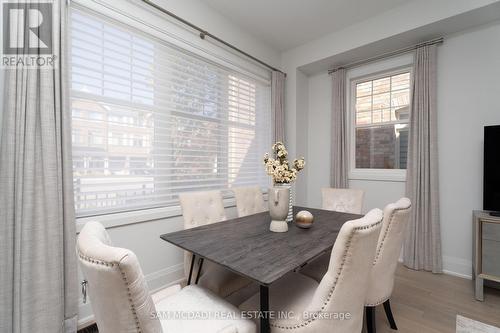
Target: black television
491	176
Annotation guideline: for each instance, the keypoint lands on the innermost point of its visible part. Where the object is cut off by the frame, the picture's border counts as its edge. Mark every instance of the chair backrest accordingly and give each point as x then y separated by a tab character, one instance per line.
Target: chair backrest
117	288
200	208
389	246
249	200
343	200
343	288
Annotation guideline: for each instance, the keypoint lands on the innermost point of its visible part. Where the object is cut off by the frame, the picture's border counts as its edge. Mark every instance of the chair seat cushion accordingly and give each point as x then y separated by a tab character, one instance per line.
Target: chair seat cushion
195	309
317	268
292	293
222	281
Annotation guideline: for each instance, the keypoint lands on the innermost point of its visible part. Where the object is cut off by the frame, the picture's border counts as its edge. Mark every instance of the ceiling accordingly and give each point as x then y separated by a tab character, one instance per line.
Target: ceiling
285	24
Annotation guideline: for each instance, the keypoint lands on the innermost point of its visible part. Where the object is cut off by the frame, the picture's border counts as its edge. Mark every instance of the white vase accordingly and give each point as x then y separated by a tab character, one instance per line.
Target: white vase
289	217
279	197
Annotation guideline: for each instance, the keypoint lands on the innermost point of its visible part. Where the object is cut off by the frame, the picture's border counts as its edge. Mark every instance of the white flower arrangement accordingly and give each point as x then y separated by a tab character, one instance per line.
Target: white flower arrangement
279	169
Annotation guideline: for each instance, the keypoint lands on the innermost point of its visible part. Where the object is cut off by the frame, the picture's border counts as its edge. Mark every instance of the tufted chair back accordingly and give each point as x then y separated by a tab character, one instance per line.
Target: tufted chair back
343	200
118	291
249	200
200	208
343	288
389	245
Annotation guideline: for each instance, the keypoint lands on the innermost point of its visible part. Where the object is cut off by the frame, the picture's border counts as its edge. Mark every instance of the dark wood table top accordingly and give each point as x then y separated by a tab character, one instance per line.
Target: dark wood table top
246	246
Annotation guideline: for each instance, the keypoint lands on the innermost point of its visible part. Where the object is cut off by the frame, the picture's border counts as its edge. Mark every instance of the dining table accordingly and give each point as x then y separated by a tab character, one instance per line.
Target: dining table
246	246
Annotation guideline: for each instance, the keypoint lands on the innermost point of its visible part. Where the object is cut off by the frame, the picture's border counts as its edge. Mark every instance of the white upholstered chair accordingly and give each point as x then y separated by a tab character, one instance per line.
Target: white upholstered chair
389	245
341	292
121	301
201	208
339	200
344	200
249	200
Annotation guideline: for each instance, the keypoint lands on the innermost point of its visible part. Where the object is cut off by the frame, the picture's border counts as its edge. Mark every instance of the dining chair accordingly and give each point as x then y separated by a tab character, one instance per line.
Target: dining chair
344	200
121	301
201	208
335	304
389	246
249	200
340	200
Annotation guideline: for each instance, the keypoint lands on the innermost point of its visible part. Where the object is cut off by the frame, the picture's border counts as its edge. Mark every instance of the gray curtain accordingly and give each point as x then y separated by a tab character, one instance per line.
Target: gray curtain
38	272
278	105
422	248
339	156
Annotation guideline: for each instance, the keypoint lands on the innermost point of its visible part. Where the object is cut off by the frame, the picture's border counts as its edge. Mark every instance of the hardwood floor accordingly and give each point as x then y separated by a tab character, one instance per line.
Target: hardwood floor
428	303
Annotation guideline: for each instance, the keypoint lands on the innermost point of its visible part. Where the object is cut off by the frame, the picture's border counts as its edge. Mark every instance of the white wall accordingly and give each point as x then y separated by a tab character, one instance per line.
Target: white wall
205	17
468	90
468	86
161	262
318	141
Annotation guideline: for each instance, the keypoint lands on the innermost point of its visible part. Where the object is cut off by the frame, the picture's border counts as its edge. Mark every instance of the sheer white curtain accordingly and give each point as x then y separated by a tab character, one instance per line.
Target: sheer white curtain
2	97
422	248
278	105
339	156
38	276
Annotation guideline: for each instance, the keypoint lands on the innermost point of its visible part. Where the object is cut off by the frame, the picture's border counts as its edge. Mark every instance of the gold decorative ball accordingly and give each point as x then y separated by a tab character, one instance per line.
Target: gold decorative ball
304	219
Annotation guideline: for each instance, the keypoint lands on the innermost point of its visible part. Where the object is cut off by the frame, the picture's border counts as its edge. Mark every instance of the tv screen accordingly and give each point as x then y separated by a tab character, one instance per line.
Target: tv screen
491	186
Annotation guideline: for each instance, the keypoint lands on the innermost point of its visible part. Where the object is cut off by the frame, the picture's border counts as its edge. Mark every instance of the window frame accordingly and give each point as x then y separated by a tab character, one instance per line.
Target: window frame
396	175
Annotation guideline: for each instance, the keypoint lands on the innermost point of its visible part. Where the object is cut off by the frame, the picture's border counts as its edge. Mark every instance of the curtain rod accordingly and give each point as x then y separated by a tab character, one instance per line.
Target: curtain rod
388	54
204	34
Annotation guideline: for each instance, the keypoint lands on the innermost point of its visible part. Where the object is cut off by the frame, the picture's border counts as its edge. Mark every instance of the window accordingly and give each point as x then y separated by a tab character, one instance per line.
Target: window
381	108
151	120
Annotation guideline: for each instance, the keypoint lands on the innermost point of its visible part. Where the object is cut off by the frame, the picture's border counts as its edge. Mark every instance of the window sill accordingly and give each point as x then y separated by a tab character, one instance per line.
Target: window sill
378	175
139	216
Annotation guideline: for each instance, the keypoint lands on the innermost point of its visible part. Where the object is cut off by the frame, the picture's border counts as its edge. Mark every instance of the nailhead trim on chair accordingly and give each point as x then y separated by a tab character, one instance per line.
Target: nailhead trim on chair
337	277
124	277
379	250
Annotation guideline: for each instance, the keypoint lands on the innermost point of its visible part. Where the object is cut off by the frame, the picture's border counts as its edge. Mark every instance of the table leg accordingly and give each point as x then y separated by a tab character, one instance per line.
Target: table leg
200	265
479	289
264	309
191	269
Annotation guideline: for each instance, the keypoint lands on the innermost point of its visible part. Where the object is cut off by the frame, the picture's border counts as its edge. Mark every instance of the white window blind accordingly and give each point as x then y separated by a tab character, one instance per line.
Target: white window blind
151	121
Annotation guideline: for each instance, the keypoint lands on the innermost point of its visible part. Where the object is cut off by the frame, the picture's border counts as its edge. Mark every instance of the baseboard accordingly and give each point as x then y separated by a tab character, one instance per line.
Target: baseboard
460	275
85	315
165	277
457	267
156	281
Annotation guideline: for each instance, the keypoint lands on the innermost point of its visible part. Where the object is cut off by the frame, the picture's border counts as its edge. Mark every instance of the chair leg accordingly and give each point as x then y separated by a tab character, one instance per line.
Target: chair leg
390	317
370	319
